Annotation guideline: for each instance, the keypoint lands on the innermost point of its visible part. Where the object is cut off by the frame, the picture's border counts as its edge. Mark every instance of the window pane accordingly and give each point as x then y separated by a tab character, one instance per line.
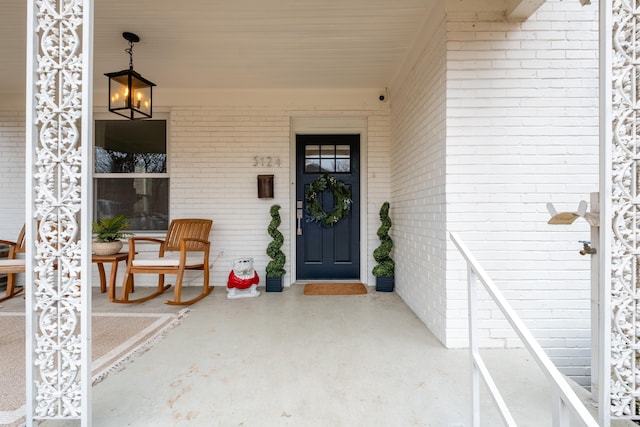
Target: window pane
329	151
312	165
343	151
328	165
312	158
130	146
328	158
110	161
343	165
144	200
343	158
312	151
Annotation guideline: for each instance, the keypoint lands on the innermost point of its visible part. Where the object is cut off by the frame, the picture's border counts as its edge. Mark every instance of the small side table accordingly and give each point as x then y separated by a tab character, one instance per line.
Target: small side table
114	260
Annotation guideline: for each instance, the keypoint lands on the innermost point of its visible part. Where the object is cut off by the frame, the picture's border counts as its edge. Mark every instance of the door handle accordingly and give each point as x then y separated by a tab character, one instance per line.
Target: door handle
299	217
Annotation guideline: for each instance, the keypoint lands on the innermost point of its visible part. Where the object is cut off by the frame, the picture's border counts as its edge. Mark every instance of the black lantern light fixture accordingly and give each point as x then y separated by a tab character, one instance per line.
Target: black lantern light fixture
130	94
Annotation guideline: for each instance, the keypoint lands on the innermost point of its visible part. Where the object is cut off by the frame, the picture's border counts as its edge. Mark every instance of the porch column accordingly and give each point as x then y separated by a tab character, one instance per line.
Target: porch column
620	213
58	133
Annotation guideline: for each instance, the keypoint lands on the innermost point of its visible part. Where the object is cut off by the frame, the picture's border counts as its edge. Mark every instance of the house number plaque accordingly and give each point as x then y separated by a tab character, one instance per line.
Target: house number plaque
266	161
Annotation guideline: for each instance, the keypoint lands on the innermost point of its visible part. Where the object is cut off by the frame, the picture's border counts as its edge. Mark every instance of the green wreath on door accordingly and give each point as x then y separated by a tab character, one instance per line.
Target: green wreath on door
340	191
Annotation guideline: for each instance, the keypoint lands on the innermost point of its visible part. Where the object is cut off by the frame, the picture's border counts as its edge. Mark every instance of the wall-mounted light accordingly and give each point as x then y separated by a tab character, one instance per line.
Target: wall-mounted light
130	94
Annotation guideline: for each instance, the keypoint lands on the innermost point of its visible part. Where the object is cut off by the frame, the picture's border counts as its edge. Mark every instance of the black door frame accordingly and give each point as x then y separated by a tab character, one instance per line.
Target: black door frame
336	250
330	125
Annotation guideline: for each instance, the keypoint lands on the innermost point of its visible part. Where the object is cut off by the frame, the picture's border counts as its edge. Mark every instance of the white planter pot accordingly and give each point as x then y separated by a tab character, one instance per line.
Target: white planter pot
106	248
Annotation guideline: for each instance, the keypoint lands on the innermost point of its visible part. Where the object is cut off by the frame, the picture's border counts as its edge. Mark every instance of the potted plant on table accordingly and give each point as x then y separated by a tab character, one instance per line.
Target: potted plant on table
385	268
275	268
109	231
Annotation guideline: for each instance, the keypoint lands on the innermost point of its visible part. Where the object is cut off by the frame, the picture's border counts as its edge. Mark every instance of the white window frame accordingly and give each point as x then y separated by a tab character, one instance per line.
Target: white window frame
110	116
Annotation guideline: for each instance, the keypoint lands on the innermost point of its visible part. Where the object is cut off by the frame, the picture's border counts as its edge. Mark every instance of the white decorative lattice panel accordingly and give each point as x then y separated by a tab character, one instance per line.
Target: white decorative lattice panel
56	303
625	325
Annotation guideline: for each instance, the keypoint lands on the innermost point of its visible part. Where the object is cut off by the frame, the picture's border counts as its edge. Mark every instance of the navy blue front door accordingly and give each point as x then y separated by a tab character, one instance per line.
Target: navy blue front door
328	252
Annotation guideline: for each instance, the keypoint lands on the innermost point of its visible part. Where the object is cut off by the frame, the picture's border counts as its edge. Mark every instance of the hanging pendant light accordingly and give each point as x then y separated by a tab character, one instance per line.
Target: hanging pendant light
130	94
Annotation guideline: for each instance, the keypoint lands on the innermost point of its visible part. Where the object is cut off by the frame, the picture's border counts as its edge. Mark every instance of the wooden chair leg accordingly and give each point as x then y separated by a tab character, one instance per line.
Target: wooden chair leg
160	281
177	292
205	284
11	284
103	278
126	282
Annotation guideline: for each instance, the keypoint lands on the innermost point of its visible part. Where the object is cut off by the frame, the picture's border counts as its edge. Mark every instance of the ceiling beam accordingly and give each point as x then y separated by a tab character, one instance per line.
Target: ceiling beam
519	10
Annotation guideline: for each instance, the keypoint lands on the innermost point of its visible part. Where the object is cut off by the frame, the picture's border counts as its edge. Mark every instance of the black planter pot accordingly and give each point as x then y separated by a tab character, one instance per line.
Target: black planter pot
385	284
274	284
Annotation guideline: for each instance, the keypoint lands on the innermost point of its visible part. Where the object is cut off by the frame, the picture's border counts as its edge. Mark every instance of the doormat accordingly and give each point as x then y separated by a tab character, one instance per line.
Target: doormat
334	289
117	338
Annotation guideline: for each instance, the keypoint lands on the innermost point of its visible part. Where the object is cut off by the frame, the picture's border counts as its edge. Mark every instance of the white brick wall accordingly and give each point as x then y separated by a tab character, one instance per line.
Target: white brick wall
418	180
378	180
12	167
522	126
212	156
521	130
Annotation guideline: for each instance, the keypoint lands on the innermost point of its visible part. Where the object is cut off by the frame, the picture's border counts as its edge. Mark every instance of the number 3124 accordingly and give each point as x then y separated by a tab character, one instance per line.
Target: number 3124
266	161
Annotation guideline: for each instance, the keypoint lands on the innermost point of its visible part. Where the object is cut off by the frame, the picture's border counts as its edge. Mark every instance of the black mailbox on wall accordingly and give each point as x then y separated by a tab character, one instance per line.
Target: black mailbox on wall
265	186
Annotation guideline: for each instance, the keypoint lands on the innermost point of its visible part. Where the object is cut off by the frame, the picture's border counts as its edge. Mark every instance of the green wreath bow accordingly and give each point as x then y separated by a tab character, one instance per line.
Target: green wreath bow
340	191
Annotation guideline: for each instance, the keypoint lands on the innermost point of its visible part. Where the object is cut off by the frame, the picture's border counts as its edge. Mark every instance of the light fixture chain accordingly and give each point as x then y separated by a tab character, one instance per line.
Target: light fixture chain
129	50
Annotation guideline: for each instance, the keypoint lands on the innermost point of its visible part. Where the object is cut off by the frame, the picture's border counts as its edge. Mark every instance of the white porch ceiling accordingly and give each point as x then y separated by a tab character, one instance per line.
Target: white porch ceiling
238	43
223	44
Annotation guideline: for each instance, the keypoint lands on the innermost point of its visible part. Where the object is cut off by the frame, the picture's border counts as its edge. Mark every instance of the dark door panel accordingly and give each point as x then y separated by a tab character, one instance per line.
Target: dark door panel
328	252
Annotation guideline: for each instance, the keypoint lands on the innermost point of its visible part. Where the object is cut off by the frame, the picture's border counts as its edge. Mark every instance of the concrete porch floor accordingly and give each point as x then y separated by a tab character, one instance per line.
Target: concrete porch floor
286	359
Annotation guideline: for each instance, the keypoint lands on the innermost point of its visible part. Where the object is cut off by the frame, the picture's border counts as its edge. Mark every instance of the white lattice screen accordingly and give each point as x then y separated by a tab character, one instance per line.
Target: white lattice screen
58	80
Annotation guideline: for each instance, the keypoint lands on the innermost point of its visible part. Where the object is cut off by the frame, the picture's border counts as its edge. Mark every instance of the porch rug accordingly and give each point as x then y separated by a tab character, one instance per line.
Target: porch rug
334	289
117	338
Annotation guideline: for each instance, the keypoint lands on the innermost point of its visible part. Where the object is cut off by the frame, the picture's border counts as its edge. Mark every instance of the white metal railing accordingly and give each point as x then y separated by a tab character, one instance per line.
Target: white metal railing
564	400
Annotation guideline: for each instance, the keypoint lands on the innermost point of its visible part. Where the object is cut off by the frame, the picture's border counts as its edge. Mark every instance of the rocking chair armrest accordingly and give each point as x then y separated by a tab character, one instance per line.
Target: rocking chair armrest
146	239
8	242
13	247
132	244
183	244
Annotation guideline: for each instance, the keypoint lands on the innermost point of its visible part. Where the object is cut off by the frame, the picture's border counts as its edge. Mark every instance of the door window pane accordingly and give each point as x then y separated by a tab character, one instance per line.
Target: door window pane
328	165
312	165
343	158
327	158
312	151
312	158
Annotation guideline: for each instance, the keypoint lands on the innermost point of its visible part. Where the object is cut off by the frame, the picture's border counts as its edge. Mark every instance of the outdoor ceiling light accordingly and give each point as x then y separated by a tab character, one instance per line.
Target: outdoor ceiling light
130	94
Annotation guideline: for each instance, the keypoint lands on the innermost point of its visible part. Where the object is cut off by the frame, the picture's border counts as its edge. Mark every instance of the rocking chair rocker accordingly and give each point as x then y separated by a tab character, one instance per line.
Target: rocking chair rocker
185	247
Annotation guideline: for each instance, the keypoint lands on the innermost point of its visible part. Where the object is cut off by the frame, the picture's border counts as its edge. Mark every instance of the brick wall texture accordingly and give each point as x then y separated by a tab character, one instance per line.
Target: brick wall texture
490	121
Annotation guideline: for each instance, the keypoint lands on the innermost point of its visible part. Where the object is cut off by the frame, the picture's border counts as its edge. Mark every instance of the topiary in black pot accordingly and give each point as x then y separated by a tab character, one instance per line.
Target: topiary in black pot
275	268
385	269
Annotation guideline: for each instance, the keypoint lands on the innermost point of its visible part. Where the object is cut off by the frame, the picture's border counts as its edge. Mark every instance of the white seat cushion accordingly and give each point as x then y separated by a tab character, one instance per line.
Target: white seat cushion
11	262
170	261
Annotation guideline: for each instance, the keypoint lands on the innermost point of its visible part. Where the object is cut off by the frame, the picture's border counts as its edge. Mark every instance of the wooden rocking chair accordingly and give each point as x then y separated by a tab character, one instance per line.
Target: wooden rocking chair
13	265
185	247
